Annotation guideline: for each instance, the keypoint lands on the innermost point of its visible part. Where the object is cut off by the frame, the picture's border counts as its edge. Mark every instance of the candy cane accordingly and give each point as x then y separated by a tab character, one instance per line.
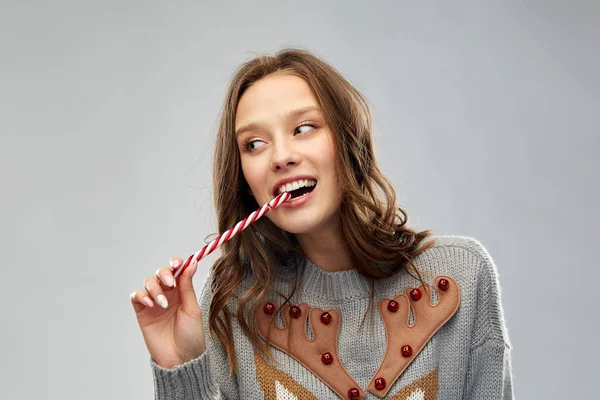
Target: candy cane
240	226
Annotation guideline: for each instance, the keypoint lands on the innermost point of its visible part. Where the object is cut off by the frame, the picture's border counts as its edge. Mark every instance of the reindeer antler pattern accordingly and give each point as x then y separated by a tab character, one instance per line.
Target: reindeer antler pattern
319	355
404	342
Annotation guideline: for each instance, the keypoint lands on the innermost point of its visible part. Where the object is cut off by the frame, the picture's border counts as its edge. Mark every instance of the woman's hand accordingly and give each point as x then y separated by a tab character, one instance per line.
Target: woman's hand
169	316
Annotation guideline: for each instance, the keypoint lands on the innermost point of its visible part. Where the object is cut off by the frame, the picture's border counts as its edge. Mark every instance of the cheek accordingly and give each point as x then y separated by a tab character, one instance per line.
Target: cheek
327	156
327	159
247	172
252	174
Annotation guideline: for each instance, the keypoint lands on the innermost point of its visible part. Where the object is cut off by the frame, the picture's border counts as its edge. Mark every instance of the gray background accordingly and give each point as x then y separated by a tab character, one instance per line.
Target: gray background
486	119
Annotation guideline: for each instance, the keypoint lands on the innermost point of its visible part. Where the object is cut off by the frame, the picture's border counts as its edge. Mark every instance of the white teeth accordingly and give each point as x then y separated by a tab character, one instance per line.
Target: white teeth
295	198
296	185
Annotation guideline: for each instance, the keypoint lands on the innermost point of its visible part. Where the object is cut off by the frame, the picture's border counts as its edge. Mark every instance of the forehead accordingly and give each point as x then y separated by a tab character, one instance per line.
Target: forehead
272	97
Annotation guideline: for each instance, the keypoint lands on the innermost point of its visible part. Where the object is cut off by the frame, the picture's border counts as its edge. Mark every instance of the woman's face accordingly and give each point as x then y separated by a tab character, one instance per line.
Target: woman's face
282	137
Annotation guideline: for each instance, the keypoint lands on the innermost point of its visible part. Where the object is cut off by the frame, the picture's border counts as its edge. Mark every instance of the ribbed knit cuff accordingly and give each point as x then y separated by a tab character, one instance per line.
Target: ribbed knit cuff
191	380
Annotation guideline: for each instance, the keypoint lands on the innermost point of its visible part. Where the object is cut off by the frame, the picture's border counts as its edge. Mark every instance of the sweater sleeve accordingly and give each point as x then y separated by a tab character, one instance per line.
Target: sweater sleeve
191	380
205	377
489	374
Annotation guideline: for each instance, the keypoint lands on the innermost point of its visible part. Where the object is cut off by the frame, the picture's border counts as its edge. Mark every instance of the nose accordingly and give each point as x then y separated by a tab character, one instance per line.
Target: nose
283	156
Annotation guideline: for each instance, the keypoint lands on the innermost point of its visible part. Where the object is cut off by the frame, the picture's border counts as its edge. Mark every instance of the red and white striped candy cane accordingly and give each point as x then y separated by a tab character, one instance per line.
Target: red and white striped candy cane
240	226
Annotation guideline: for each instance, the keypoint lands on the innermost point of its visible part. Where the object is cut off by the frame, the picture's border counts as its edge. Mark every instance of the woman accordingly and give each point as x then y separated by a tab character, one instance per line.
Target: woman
331	294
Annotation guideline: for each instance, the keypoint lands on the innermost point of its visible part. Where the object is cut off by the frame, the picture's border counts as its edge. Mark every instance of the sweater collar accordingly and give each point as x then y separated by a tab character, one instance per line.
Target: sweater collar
333	286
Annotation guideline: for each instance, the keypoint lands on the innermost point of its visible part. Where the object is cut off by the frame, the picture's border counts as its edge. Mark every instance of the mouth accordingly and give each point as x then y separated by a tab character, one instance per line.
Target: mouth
297	189
301	192
299	197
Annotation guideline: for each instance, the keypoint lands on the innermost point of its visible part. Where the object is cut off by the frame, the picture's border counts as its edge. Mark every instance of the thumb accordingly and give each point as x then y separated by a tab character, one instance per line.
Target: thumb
186	285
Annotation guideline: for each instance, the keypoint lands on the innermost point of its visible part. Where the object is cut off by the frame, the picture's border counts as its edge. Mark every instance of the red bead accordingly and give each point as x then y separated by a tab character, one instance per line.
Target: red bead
379	383
353	394
415	294
393	306
295	312
444	284
406	351
327	358
326	318
269	308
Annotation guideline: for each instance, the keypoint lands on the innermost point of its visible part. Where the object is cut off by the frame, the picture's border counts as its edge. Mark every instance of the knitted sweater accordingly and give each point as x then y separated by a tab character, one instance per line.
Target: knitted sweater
446	343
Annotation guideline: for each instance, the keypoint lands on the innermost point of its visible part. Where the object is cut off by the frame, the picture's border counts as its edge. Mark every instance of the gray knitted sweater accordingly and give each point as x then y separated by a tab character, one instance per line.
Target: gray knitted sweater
445	340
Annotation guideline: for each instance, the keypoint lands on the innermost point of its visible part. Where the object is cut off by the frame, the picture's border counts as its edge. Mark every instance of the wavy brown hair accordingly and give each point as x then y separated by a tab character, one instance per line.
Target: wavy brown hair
373	226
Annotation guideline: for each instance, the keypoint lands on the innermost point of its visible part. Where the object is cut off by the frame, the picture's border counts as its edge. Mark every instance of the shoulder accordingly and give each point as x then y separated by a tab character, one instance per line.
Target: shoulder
470	264
469	244
461	256
468	257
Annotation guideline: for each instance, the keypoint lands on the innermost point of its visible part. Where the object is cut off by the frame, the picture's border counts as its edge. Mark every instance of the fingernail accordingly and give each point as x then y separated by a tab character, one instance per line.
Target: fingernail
162	300
194	267
148	302
132	295
174	263
169	281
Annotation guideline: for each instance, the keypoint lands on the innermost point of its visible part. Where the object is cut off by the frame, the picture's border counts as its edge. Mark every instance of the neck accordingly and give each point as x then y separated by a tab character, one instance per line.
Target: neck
326	249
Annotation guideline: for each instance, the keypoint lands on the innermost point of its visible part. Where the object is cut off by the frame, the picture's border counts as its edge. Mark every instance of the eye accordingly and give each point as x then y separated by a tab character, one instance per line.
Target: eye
299	128
252	145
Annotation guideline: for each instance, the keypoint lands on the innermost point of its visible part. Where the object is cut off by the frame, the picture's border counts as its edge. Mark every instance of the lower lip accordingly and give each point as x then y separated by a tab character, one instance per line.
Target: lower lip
298	201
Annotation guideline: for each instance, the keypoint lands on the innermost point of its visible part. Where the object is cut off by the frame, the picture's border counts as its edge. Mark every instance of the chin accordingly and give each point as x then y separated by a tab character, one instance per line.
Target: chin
301	226
293	225
304	221
296	229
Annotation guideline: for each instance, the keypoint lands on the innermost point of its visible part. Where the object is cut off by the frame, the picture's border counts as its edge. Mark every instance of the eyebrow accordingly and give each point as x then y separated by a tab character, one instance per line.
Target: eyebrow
289	115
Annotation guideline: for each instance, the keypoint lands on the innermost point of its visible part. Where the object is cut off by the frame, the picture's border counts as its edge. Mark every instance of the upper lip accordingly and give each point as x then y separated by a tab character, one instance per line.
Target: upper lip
290	179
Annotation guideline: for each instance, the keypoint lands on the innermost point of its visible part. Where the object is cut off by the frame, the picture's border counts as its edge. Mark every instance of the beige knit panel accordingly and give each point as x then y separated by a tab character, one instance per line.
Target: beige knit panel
425	388
273	382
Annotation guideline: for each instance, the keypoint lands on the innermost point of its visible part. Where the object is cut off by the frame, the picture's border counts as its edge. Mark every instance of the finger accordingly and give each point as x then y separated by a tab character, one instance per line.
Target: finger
140	300
152	286
165	275
175	262
188	294
183	265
